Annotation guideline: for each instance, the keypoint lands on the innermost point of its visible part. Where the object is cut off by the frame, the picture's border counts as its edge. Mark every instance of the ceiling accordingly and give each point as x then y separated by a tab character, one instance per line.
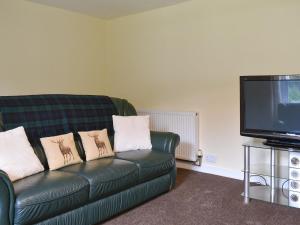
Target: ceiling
108	9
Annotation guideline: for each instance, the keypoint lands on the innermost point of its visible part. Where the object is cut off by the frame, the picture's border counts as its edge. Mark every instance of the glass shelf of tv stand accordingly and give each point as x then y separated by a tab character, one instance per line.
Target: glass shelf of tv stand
265	193
281	172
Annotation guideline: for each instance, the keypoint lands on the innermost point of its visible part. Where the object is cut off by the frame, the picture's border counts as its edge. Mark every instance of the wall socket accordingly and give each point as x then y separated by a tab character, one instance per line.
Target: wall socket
211	158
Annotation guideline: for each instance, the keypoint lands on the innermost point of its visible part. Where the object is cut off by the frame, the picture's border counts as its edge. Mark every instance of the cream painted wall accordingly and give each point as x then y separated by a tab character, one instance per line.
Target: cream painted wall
49	50
188	57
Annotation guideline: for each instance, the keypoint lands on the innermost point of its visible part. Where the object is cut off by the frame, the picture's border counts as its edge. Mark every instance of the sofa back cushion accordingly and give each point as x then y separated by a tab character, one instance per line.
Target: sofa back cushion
124	107
51	115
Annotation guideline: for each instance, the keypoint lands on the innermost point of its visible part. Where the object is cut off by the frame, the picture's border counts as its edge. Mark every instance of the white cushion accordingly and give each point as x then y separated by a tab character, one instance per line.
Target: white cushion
17	157
131	133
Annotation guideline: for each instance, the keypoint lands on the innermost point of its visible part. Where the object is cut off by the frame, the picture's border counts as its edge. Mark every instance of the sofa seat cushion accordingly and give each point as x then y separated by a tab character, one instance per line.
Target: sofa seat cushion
106	176
151	163
48	194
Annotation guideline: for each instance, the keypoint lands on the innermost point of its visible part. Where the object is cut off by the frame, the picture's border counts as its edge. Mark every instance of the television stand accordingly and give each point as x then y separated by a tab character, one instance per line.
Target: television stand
277	175
282	143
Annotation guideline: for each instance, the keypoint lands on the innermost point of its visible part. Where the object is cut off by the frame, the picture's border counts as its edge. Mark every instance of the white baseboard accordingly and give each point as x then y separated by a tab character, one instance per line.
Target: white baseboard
238	175
211	170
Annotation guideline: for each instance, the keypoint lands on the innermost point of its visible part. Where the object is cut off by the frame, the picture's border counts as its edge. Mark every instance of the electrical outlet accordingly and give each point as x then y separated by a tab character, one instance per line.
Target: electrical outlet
211	158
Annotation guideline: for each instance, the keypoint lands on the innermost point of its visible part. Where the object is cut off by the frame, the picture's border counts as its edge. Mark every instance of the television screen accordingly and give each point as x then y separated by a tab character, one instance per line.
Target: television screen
270	105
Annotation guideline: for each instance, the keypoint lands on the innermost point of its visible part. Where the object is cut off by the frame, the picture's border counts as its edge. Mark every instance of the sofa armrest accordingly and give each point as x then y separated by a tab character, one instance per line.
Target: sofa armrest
165	141
7	200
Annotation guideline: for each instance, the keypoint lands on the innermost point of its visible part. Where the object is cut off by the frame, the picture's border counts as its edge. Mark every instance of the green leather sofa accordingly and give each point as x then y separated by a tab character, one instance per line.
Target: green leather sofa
91	192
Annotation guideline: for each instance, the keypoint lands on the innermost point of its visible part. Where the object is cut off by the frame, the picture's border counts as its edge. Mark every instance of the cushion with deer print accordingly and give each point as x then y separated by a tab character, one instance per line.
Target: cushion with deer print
60	151
96	144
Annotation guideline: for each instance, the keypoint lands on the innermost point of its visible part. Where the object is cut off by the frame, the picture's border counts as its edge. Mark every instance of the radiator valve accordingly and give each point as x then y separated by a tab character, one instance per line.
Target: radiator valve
199	158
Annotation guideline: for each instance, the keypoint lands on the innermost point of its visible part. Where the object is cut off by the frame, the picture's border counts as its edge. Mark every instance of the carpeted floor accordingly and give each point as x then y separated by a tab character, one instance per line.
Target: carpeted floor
205	199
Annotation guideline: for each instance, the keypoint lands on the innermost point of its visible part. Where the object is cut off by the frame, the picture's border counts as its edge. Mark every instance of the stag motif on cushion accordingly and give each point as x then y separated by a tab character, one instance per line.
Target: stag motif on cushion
65	150
100	144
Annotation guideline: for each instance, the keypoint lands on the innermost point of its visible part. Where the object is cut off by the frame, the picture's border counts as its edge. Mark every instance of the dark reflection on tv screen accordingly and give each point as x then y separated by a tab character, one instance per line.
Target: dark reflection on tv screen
272	105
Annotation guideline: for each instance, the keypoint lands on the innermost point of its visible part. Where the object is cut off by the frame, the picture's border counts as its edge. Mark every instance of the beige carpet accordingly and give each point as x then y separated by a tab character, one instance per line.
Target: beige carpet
204	199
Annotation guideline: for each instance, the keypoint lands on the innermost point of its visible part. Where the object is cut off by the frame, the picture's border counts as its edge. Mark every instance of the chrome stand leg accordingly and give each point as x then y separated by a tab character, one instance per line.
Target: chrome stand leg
246	174
272	183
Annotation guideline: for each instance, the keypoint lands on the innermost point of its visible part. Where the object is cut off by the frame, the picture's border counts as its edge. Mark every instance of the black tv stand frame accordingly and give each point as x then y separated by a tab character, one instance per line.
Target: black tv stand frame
283	143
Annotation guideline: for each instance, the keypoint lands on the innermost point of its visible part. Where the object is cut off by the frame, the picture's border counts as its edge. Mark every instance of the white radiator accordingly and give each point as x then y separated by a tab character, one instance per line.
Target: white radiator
186	124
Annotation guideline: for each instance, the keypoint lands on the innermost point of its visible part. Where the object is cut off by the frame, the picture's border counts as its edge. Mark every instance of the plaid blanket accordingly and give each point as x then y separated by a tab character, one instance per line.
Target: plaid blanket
49	115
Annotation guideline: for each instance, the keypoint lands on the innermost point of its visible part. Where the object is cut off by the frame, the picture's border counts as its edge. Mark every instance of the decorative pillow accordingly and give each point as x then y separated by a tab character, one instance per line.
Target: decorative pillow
60	151
131	133
96	144
17	157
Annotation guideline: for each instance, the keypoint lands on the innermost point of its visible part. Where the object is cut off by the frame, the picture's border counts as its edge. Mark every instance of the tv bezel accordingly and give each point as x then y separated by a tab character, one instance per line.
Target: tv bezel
258	133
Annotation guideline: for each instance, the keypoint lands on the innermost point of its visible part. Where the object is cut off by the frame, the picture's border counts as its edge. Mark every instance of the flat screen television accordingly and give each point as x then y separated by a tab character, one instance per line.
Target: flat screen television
270	109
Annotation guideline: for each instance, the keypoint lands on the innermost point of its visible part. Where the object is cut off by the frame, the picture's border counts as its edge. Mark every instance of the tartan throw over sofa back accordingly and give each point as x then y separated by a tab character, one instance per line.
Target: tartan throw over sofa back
50	115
